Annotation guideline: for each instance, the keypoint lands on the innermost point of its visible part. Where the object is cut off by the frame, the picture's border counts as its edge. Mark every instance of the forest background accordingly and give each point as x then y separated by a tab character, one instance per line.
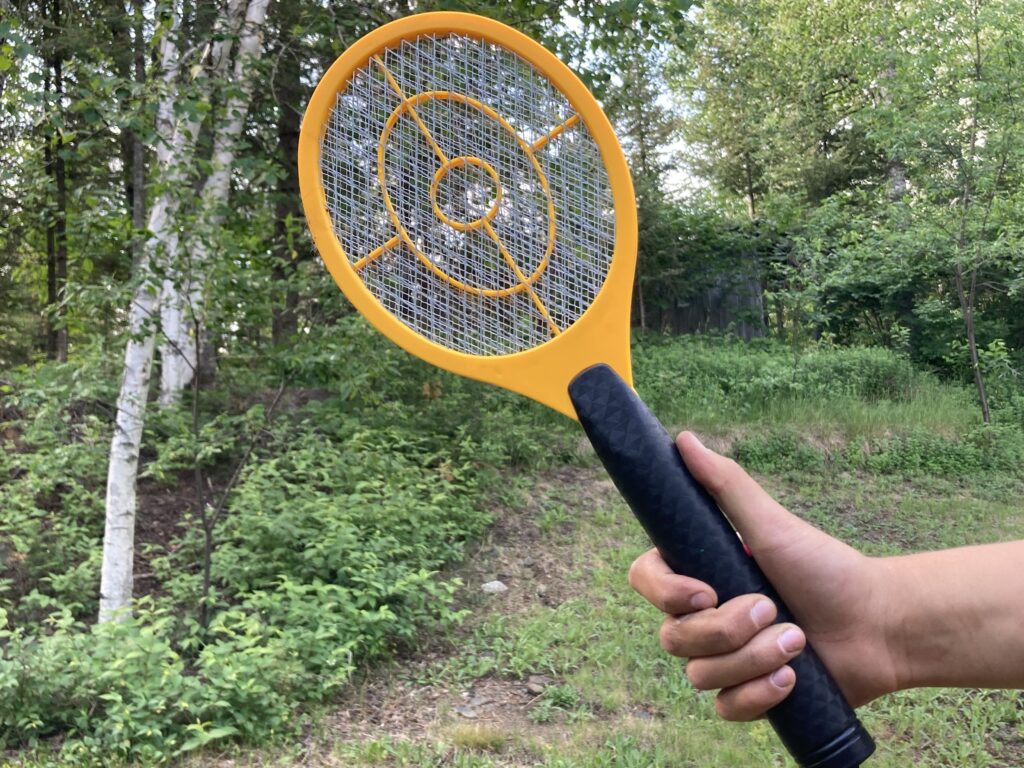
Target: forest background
221	493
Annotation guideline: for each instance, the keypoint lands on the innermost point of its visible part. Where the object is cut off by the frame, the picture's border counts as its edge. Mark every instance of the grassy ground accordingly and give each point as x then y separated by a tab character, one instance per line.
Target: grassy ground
564	670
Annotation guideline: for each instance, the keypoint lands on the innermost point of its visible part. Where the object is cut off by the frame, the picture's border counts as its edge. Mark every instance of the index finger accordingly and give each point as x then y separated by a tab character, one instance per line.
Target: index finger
667	590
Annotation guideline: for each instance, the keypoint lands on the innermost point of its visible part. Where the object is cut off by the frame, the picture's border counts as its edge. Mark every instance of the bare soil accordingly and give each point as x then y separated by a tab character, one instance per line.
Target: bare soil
535	565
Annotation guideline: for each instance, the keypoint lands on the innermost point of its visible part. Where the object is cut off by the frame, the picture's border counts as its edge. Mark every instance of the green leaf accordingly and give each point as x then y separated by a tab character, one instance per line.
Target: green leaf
202	738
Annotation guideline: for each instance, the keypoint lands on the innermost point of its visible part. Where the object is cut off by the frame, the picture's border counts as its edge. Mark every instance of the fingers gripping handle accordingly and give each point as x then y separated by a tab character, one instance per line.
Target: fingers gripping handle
816	724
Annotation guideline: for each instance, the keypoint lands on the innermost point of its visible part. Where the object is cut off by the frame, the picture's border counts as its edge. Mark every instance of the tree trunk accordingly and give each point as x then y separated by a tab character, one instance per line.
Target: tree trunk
116	575
967	308
51	259
61	230
641	308
182	293
284	322
749	192
56	230
967	297
116	578
178	363
895	169
131	64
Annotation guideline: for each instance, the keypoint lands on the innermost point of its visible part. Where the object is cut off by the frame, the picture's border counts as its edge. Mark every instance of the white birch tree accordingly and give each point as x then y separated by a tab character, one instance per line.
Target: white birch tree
119	531
182	299
176	135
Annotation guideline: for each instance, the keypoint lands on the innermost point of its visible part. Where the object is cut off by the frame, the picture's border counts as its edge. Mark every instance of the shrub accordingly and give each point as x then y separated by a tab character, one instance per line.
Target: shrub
776	450
991	448
328	557
53	446
985	448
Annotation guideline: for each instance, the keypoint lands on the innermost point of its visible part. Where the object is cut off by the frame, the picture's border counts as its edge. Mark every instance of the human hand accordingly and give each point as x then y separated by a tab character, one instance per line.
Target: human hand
838	595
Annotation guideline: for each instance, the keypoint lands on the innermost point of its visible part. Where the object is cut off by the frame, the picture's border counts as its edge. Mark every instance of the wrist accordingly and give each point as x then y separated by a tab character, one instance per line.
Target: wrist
932	622
898	662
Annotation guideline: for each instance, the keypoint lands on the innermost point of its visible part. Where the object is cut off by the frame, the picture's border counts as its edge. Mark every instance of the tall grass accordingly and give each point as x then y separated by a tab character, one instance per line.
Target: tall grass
716	384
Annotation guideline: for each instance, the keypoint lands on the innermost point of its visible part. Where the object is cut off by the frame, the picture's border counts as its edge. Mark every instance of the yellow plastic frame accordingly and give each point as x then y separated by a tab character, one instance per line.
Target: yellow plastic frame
600	335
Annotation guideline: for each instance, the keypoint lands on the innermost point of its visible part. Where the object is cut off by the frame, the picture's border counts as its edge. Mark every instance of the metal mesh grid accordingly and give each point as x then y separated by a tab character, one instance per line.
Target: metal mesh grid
480	286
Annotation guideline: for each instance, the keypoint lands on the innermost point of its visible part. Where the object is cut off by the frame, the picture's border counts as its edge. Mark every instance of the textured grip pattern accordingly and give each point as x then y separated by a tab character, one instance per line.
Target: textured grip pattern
815	722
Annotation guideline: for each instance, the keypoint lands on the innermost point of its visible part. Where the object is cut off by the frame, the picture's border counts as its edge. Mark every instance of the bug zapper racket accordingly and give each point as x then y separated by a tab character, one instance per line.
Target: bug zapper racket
470	198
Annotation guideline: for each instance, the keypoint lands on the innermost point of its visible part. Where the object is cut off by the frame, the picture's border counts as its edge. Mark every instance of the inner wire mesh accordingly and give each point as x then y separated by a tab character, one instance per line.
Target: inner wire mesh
486	276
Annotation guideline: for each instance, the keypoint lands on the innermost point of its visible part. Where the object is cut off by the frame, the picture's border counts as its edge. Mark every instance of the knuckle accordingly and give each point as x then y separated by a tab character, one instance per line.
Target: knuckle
663	602
742	704
714	483
726	710
697	674
667	637
718	480
728	636
634	574
768	656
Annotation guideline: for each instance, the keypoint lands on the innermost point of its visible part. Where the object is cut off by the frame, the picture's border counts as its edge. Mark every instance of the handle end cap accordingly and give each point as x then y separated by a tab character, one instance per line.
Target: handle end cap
848	750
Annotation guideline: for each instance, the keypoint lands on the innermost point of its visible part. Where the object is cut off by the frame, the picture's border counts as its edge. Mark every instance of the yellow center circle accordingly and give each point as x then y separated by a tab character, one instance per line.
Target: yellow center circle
461	162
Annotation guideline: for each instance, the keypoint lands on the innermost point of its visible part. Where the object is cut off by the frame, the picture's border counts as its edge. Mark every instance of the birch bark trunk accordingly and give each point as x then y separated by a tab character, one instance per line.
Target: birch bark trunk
116	575
182	295
161	279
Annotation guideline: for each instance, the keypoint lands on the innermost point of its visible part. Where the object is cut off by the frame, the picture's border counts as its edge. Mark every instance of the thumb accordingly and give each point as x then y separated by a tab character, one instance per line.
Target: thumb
767	528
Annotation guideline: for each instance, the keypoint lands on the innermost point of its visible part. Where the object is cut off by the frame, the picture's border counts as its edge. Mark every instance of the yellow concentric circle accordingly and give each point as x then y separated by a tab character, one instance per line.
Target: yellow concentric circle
442	173
408	107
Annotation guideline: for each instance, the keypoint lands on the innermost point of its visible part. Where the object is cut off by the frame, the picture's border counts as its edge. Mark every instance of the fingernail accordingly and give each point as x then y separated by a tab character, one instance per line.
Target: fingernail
762	613
701	600
783	677
791	640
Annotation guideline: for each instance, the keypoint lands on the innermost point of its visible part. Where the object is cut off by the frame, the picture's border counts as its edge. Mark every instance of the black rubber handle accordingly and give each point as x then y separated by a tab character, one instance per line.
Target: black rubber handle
815	722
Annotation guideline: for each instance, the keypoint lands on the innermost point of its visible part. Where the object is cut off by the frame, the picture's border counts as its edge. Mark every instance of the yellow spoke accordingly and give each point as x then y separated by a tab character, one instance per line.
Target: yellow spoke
554	133
412	110
376	252
522	278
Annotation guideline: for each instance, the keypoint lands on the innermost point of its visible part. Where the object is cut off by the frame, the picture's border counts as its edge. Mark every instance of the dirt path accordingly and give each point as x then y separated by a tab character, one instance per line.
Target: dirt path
531	551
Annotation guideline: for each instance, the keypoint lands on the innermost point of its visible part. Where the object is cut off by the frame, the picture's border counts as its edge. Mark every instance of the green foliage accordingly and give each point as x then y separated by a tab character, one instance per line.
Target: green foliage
722	379
372	514
828	406
54	419
776	450
984	449
122	691
328	559
326	556
388	387
559	702
895	205
990	448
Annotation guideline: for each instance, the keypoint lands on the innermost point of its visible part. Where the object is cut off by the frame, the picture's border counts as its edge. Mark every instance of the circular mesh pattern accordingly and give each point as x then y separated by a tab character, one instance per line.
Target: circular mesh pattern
467	194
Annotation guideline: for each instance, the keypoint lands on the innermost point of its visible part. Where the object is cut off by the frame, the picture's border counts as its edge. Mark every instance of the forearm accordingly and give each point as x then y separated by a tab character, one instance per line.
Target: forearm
956	617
